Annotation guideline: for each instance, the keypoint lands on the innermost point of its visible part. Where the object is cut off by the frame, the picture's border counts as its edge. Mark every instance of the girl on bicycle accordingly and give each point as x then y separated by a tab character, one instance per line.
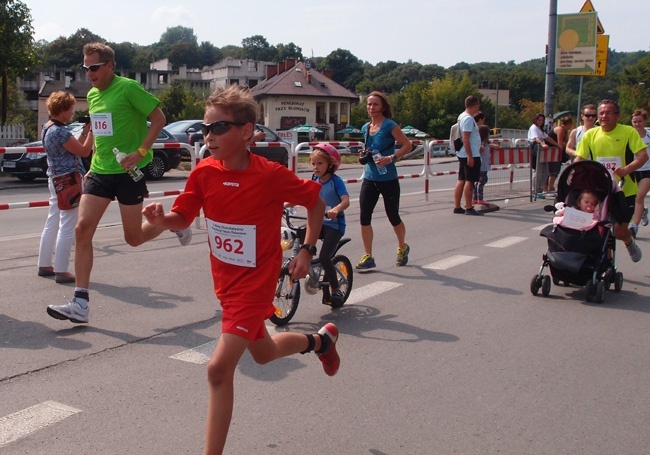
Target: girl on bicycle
325	161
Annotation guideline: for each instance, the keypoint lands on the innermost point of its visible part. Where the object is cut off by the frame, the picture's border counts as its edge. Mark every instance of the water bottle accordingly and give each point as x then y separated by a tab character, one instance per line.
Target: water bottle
376	156
135	173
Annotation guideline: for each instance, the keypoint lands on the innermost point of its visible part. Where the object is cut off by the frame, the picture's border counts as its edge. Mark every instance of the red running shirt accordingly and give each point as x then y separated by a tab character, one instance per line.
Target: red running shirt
243	211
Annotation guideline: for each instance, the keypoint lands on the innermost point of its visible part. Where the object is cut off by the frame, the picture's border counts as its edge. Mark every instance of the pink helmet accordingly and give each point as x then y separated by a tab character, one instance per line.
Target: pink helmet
333	153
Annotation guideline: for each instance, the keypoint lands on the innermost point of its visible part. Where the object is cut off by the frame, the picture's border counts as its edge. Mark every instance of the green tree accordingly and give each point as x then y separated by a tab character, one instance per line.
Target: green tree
208	54
17	47
181	102
184	53
68	52
286	51
347	69
256	47
634	88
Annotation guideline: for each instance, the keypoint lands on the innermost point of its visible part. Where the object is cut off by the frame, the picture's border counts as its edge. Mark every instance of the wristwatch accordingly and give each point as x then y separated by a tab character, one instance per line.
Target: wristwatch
143	151
310	248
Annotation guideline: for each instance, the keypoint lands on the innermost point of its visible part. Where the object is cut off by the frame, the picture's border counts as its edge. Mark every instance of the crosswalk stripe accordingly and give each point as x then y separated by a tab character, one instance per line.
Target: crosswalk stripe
27	421
540	227
450	262
506	242
370	290
202	354
199	355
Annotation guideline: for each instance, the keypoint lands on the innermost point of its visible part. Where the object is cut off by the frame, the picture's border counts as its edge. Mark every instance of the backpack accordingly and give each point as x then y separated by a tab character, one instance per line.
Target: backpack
454	137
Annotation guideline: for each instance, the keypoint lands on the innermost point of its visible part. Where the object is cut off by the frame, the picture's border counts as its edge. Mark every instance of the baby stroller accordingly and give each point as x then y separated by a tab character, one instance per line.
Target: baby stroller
576	256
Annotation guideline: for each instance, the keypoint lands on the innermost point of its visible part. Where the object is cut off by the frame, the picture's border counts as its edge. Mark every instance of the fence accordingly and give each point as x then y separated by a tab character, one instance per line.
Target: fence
510	175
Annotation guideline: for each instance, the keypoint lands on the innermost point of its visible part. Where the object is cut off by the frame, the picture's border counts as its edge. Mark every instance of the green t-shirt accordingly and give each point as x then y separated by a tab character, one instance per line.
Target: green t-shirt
119	119
612	149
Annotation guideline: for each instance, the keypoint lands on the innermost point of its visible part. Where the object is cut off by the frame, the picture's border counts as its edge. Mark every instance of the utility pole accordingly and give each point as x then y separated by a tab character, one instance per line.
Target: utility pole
549	96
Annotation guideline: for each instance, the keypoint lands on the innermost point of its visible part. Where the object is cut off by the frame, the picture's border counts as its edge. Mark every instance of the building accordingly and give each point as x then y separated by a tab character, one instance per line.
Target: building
298	96
293	94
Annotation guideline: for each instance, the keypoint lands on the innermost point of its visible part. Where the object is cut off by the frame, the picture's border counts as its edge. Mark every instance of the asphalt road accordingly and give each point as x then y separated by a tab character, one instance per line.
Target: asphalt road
448	355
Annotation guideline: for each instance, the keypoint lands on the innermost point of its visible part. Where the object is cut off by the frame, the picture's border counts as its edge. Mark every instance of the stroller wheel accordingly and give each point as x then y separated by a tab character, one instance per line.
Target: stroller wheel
590	290
535	284
618	281
546	285
600	292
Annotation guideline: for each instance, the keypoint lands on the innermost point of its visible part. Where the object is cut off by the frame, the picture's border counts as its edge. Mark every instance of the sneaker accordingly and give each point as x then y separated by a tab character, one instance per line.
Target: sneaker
402	256
330	358
73	311
634	229
366	262
459	211
551	194
184	236
475	201
482	202
540	196
336	298
473	212
644	217
635	251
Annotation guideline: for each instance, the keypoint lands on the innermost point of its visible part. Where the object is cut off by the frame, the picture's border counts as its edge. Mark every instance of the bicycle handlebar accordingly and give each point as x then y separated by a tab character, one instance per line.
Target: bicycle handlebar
288	216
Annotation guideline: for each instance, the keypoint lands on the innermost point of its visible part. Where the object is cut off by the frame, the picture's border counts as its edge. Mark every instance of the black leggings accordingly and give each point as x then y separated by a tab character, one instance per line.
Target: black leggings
330	237
369	196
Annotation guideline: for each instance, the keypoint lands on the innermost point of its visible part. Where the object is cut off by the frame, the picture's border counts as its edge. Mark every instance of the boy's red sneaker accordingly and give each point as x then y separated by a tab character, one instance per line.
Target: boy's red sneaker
330	358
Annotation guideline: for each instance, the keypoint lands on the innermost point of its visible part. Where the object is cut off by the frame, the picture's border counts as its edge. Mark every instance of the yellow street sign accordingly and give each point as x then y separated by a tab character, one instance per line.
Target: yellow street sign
602	50
588	7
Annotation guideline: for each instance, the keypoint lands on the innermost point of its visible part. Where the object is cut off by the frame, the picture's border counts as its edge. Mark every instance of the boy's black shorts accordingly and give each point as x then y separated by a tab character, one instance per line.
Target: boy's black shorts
469	174
116	186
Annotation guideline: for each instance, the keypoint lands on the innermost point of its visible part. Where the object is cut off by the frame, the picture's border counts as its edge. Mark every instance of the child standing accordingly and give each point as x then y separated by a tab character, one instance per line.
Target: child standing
325	161
484	132
241	195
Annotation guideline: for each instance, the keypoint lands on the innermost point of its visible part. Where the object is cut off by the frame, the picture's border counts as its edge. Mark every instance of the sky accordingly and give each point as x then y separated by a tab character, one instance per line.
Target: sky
442	32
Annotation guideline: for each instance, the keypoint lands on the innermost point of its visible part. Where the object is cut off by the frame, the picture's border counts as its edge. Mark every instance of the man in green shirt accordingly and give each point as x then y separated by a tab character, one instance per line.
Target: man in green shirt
119	109
620	149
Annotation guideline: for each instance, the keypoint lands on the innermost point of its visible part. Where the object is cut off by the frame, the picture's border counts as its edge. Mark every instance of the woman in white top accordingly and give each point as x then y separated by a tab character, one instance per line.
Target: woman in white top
639	118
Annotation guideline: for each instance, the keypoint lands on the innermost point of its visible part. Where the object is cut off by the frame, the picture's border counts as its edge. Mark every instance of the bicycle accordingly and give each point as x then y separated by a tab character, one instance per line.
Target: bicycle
287	293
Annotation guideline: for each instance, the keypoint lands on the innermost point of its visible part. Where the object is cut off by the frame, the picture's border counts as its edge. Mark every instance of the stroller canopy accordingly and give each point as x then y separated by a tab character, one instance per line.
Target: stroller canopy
584	175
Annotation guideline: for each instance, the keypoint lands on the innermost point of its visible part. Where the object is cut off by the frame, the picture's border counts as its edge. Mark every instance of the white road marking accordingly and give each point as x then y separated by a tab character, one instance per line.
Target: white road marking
506	242
450	262
540	227
22	423
370	290
199	355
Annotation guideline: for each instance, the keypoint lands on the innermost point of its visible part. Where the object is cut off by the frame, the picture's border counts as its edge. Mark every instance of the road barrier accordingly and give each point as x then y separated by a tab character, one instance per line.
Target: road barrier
41	149
502	181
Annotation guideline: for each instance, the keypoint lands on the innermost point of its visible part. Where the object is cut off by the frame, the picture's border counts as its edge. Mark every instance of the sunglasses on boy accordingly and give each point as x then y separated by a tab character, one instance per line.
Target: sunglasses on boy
218	128
93	68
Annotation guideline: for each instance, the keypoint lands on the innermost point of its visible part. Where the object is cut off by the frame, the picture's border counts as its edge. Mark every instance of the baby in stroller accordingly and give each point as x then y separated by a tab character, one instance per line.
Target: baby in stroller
584	215
581	242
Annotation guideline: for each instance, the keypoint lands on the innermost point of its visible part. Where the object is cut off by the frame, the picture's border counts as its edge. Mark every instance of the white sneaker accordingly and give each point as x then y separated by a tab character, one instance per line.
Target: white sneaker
184	236
644	217
635	251
73	311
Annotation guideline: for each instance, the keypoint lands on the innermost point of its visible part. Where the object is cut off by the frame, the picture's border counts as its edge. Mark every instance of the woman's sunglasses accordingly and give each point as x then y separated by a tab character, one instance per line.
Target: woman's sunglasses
218	128
93	68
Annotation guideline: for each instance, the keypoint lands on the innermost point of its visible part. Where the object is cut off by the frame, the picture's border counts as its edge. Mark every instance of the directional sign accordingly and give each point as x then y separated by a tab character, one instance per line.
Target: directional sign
602	49
588	7
576	43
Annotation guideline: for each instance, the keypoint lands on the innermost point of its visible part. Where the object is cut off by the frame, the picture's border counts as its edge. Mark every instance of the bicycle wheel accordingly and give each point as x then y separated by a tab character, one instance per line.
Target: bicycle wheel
287	296
343	268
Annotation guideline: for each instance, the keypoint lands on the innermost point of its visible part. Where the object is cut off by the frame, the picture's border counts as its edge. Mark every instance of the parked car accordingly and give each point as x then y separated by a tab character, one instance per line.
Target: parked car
440	151
29	166
277	154
183	131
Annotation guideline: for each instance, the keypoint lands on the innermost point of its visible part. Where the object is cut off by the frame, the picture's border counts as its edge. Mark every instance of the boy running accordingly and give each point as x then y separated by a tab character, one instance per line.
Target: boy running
242	196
